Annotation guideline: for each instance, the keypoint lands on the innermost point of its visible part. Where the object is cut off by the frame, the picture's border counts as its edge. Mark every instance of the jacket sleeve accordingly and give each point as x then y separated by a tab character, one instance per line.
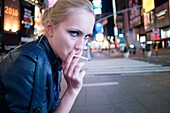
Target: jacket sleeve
18	80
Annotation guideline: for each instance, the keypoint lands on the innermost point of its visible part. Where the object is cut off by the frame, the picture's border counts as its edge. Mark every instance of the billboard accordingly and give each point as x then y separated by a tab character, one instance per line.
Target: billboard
149	20
11	15
97	6
134	13
148	5
162	15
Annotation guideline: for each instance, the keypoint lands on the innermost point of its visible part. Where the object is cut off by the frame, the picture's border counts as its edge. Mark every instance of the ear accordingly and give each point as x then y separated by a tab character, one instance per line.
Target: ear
49	28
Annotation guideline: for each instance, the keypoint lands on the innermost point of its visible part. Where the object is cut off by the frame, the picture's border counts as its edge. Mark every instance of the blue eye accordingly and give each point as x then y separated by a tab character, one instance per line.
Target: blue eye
74	33
87	37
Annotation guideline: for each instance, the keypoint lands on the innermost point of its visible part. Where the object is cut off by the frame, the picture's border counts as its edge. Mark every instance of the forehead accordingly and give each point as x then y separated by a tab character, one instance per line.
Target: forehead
81	20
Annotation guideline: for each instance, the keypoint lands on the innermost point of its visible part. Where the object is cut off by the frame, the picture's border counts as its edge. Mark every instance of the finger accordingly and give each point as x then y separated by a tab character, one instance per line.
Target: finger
68	61
82	74
77	69
72	66
63	65
80	53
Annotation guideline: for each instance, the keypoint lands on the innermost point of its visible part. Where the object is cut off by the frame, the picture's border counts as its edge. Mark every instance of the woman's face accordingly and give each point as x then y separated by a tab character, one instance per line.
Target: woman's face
72	34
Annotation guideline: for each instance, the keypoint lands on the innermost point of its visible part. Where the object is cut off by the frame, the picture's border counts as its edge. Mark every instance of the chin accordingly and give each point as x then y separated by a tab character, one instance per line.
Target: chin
64	57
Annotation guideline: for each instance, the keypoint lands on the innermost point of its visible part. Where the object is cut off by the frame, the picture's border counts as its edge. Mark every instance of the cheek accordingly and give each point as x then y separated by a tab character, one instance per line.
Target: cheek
68	45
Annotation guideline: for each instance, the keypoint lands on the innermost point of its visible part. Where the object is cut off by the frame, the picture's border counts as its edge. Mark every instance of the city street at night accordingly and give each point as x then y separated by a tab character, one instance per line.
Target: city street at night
125	45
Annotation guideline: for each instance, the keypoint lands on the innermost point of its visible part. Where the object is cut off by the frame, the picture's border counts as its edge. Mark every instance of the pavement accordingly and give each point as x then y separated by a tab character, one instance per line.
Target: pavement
128	88
117	54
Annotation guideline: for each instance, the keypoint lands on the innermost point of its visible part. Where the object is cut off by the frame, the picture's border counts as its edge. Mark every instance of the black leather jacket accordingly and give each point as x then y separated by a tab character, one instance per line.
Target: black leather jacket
28	75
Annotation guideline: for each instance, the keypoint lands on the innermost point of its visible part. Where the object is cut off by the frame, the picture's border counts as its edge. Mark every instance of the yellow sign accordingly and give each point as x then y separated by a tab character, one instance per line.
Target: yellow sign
11	16
148	5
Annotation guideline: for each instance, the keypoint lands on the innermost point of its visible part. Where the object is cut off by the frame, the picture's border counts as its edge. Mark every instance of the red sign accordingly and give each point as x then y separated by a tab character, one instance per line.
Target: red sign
156	34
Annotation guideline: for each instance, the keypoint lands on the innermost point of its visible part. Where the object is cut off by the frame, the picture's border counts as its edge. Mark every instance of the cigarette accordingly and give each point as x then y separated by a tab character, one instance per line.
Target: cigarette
82	57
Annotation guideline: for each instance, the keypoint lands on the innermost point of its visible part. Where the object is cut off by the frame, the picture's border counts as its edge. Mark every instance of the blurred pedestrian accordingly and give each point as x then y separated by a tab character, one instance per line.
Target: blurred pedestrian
134	50
143	48
31	74
156	49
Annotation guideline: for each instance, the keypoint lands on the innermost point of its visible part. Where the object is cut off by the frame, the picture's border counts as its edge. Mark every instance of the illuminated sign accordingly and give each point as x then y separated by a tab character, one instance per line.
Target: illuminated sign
162	15
149	20
148	5
165	33
11	15
97	5
28	18
134	13
99	27
11	11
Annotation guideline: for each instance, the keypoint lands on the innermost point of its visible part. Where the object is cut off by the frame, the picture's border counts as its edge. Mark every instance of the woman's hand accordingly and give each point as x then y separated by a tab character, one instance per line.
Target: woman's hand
73	72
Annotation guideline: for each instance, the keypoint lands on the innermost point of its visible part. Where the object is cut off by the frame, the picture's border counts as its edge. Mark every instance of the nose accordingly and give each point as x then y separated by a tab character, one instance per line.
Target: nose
80	44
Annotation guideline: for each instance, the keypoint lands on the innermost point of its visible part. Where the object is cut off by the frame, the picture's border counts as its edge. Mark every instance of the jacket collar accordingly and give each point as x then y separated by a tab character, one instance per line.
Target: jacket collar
52	57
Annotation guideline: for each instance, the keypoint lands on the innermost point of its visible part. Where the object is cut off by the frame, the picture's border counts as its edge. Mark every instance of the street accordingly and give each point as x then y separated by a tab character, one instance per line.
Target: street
125	86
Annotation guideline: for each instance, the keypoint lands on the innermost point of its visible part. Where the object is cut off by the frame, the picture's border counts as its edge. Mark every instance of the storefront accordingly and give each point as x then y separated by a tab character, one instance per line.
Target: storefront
165	36
152	34
136	26
163	24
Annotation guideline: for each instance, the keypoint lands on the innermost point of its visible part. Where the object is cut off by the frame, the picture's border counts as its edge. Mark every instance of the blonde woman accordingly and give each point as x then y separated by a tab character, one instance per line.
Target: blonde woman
31	74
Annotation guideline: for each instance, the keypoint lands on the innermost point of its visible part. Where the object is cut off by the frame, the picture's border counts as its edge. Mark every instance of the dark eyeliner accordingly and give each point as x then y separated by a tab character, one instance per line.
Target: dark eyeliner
74	32
89	36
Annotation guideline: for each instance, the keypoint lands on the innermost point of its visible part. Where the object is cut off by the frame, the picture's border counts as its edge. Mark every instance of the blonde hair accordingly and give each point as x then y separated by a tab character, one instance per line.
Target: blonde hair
62	9
45	16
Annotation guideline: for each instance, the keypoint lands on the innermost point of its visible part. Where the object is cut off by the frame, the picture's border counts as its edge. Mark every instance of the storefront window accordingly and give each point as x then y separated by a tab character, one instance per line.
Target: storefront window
165	33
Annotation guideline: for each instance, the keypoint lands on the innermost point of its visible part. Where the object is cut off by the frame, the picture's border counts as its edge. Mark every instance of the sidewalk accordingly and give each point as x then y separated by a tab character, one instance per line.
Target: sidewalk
133	93
161	52
117	54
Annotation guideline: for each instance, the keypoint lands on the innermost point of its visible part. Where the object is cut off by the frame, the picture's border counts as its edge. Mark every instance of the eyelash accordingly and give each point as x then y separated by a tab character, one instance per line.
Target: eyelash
72	33
87	37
